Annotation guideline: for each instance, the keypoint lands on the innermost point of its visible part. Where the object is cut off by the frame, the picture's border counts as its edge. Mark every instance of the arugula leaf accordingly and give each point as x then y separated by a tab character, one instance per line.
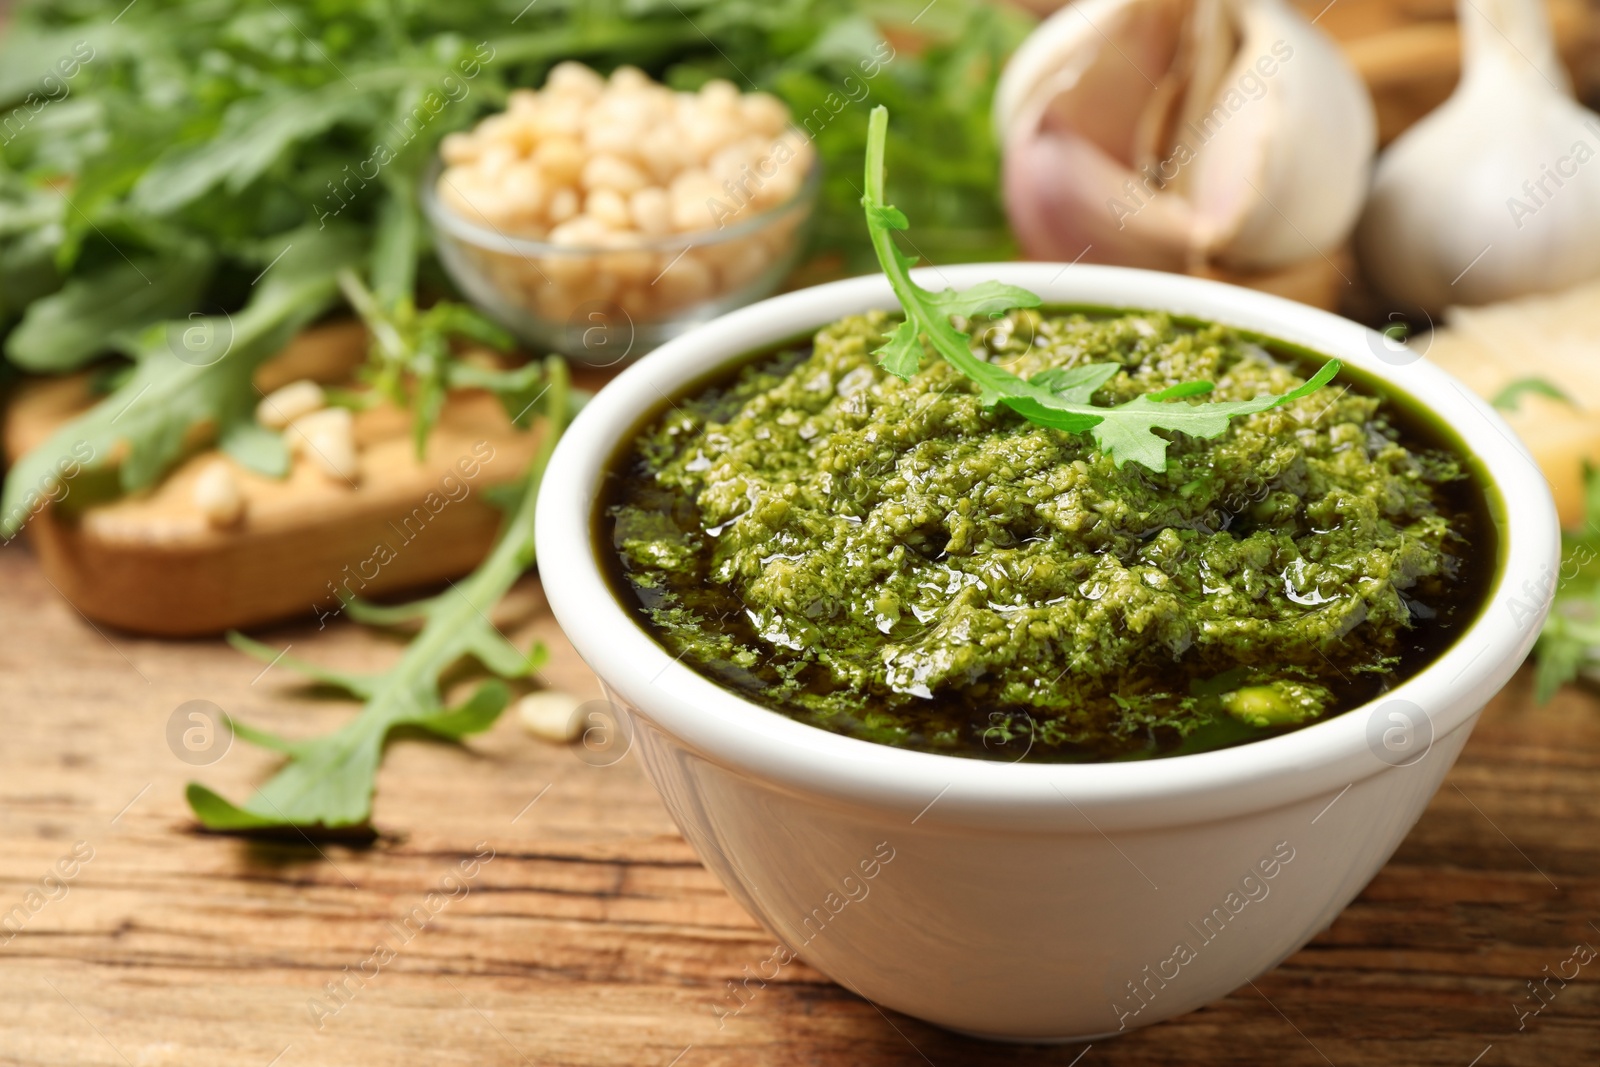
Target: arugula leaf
1126	432
255	448
412	362
63	331
143	427
1057	400
328	781
357	685
1569	645
1076	384
255	132
1507	398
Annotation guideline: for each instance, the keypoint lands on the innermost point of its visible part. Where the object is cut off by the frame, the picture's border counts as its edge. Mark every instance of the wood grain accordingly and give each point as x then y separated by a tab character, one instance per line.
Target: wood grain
594	937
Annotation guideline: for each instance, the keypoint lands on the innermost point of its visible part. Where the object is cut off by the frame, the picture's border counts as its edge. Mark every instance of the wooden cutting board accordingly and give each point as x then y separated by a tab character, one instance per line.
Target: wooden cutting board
151	563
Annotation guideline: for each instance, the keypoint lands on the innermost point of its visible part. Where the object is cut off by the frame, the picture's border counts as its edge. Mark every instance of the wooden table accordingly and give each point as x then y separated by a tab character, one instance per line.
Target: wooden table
593	936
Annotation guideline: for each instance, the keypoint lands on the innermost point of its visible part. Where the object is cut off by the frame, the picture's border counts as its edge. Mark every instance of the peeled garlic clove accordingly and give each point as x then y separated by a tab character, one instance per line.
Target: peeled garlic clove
1495	194
1265	135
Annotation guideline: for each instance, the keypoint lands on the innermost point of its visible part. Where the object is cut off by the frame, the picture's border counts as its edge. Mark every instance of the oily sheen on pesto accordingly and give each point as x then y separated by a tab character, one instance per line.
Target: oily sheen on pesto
894	561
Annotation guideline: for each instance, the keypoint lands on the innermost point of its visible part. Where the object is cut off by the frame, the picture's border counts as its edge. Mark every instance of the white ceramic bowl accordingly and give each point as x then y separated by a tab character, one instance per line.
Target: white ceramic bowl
1038	902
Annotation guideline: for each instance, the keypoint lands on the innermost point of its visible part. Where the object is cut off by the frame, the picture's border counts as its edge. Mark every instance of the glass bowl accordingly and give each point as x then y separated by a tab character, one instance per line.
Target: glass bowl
601	305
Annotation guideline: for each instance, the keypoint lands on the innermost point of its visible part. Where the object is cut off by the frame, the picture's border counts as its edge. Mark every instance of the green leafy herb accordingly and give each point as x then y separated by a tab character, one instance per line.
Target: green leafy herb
412	362
328	781
1508	398
1057	399
188	150
192	373
1569	645
66	329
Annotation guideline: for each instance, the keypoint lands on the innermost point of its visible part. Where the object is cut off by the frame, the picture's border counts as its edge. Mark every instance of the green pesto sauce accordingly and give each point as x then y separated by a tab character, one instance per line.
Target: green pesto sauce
894	562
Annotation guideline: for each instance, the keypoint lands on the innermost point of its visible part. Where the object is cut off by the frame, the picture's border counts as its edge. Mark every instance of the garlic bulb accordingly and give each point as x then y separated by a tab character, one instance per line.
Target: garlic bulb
1179	133
1497	193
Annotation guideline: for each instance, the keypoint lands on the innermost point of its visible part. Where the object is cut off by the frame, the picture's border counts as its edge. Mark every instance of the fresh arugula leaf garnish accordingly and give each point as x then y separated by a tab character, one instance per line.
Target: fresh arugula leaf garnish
1075	384
1057	400
328	781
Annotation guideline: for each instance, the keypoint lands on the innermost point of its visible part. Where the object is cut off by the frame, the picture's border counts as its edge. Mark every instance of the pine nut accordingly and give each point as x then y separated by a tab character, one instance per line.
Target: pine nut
551	715
217	495
285	404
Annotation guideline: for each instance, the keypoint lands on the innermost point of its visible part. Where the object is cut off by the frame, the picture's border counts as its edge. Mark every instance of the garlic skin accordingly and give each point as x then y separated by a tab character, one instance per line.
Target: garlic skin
1176	134
1496	194
1287	179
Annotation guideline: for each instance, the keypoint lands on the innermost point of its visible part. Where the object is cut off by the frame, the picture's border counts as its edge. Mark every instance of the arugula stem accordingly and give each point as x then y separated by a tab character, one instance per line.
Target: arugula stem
900	278
328	781
378	324
512	554
1058	398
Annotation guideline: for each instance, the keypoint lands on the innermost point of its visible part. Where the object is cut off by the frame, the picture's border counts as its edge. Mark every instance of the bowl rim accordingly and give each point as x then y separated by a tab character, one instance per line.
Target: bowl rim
492	238
738	734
